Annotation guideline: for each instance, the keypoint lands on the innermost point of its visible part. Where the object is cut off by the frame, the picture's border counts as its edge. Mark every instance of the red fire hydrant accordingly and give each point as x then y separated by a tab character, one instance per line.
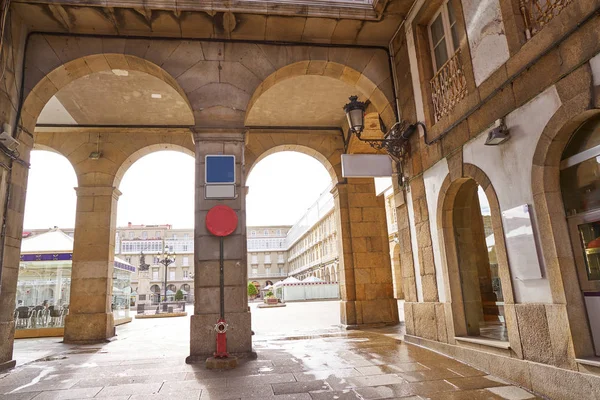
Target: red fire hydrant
221	329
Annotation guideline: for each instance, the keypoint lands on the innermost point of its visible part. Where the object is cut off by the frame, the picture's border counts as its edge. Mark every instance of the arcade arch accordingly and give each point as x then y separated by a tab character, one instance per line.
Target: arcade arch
54	62
569	195
472	240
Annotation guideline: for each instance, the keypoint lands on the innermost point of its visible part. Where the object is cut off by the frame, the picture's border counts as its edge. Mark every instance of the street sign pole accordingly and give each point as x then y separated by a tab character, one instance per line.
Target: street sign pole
222	277
221	221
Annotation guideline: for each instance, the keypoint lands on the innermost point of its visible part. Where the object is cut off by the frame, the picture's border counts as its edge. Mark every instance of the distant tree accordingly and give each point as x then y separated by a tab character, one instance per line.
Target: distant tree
252	291
179	295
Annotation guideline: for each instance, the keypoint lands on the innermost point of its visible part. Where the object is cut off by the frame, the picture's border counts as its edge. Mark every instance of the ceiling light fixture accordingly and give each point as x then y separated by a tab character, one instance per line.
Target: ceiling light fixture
95	155
156	96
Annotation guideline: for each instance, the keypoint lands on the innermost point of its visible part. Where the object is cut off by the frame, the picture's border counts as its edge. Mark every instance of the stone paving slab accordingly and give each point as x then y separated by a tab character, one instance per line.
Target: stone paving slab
347	365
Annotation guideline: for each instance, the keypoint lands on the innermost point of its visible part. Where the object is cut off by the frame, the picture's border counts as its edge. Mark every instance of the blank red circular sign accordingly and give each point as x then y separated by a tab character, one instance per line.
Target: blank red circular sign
221	220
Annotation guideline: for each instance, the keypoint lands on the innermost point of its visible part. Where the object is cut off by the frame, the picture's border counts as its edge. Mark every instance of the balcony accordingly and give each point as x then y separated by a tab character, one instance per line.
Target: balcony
448	87
537	13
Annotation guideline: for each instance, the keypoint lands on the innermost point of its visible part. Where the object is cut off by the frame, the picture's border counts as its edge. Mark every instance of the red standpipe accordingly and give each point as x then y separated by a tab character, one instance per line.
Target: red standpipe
221	329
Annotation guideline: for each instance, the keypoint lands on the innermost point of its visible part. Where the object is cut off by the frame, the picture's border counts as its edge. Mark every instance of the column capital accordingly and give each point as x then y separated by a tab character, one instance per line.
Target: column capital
98	191
339	187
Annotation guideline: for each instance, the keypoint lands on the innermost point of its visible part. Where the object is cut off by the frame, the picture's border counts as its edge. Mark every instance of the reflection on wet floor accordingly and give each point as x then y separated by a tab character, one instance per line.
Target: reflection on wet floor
336	365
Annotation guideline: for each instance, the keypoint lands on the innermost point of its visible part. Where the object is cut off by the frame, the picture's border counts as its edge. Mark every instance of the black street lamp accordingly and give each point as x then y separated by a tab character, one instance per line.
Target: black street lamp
166	258
394	142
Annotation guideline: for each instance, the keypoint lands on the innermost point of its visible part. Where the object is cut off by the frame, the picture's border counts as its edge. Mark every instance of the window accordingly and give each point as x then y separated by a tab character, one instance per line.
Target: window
186	261
254	258
155	274
186	236
155	260
130	235
185	273
267	259
157	234
443	35
172	275
266	232
144	235
278	232
252	233
254	271
174	236
128	259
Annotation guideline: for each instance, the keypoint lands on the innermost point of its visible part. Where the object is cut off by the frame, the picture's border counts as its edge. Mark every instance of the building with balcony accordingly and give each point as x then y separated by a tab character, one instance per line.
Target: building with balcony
139	244
494	107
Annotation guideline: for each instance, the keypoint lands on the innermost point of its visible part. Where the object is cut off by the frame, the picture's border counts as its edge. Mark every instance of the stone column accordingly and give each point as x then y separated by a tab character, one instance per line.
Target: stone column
16	180
206	257
90	316
365	270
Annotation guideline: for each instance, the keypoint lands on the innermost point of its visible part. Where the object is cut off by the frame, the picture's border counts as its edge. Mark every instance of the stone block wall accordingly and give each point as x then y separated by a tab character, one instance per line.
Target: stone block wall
365	269
13	178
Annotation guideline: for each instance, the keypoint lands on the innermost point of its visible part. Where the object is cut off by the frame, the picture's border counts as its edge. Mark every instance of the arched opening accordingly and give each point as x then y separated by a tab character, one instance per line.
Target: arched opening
44	279
475	283
292	237
155	225
580	188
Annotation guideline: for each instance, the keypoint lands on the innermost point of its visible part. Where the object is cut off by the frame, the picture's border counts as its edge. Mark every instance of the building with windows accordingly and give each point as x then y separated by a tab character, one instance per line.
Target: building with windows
310	246
267	254
142	244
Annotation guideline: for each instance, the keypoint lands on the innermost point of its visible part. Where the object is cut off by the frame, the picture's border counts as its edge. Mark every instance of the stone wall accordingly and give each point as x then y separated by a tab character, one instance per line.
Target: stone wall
13	178
542	105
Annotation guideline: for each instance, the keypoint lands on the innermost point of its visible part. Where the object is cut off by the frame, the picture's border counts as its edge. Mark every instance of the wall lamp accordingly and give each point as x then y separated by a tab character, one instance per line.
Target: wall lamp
394	142
498	135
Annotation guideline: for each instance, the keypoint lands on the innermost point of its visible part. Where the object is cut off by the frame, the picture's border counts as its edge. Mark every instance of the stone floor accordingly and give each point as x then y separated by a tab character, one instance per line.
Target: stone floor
146	361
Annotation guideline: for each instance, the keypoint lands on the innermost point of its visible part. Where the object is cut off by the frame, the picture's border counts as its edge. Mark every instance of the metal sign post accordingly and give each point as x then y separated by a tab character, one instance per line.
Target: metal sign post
221	221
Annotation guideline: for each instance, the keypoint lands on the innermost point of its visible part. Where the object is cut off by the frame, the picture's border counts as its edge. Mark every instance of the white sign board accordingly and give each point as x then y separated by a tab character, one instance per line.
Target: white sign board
366	165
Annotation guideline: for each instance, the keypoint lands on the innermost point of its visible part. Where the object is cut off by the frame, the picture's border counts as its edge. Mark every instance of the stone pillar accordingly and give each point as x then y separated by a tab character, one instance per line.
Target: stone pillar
206	259
11	255
365	270
90	316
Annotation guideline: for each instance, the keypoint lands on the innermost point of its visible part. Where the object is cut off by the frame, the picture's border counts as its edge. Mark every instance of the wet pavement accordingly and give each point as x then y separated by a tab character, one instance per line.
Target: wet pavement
146	361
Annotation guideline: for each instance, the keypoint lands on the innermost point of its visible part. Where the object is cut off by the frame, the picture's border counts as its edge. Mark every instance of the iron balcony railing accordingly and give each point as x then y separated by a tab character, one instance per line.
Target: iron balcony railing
448	87
537	13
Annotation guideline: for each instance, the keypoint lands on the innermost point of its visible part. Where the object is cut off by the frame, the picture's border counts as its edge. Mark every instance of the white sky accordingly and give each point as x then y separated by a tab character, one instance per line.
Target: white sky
282	187
159	189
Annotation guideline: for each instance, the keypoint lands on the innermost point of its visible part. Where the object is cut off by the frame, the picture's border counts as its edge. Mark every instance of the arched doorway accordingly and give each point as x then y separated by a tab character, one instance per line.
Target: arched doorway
473	271
580	189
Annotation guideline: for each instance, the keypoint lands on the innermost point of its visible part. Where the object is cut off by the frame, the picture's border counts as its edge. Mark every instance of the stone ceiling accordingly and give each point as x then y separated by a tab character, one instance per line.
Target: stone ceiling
302	101
312	21
117	97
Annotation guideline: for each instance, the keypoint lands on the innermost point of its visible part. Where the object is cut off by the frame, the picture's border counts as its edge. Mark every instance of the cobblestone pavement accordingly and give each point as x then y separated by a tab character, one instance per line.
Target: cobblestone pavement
146	361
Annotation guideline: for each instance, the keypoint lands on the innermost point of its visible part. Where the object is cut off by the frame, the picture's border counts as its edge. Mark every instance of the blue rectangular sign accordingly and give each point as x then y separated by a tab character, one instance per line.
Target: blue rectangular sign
220	169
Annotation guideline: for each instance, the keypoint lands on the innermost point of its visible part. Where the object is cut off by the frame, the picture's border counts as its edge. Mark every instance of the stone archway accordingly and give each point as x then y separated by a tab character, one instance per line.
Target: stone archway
217	81
326	148
457	209
555	243
370	85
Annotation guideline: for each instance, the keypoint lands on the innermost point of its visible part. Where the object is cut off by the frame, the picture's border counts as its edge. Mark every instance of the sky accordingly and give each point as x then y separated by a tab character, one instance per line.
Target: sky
159	189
